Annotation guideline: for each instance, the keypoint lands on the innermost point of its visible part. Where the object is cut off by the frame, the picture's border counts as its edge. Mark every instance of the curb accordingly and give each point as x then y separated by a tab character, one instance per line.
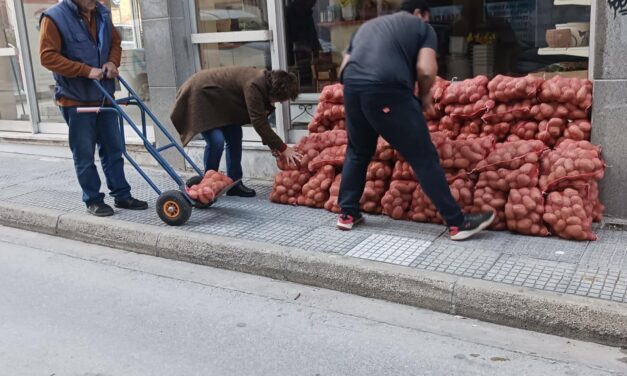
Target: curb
576	317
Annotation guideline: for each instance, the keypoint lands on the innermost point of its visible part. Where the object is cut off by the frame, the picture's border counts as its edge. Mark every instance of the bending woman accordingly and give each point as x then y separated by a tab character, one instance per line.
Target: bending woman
217	102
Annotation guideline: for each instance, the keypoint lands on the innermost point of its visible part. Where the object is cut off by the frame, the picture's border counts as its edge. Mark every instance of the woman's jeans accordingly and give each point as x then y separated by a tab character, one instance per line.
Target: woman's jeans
231	135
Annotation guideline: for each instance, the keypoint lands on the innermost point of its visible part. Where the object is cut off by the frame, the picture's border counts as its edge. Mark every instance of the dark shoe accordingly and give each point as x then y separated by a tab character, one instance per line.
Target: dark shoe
473	223
242	191
131	204
100	209
346	222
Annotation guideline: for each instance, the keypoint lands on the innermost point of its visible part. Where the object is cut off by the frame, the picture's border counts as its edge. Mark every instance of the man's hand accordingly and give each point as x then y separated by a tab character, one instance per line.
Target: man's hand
292	157
95	74
111	71
427	104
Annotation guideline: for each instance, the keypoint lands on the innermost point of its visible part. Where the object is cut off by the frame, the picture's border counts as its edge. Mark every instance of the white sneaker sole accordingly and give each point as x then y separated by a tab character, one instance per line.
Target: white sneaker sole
348	227
463	235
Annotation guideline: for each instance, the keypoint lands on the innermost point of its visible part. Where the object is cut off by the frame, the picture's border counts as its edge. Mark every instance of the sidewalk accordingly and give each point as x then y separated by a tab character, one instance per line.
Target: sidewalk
576	289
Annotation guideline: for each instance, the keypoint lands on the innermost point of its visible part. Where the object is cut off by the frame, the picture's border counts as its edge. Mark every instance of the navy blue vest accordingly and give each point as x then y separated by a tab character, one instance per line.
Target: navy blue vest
78	45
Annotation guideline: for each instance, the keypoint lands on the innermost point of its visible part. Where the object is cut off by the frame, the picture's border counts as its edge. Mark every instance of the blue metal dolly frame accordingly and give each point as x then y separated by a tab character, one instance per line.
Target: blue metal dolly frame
174	207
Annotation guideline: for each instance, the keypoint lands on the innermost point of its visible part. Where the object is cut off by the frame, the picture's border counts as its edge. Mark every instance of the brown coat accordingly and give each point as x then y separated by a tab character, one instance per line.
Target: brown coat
214	98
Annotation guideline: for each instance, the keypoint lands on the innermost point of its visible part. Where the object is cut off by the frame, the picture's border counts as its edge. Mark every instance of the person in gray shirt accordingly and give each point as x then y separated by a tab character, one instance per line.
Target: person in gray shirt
383	62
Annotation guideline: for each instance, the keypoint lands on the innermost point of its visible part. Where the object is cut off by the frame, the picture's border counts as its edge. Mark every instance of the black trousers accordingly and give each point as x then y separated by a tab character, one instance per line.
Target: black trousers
394	113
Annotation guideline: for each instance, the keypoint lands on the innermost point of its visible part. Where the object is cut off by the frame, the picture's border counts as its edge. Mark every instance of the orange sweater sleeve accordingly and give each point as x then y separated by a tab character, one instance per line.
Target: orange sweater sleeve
115	54
50	45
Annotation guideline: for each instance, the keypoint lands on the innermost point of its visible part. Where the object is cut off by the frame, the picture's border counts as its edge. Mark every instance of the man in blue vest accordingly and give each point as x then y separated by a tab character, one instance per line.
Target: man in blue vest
384	60
79	44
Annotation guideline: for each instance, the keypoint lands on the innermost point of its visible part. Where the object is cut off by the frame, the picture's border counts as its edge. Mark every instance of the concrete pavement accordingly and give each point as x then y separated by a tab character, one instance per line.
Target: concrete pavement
70	308
540	284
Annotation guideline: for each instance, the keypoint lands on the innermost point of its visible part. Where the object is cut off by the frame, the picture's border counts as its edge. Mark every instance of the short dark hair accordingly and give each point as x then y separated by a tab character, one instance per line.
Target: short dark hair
283	86
411	6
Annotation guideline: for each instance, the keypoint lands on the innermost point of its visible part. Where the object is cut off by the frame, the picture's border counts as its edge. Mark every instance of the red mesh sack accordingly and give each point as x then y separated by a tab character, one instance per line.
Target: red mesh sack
508	112
546	111
384	151
486	199
564	212
449	127
330	156
574	91
438	89
500	131
470	111
378	170
288	186
550	131
422	209
470	130
403	171
373	193
465	92
578	130
397	200
332	94
505	89
211	185
463	154
332	203
572	163
315	192
524	210
512	155
338	125
524	130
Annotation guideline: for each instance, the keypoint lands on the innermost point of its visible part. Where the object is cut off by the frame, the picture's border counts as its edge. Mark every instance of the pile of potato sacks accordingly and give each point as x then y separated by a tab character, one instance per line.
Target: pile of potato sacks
516	145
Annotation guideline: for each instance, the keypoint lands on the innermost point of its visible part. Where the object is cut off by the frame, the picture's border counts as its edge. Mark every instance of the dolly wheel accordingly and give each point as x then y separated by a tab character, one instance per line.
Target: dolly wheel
193	181
173	208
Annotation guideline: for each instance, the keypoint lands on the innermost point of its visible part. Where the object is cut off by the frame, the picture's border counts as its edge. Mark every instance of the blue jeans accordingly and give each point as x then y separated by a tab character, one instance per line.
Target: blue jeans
231	135
85	132
396	115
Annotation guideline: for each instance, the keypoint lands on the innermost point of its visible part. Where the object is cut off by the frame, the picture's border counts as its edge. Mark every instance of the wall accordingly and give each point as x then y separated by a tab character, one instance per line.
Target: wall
610	103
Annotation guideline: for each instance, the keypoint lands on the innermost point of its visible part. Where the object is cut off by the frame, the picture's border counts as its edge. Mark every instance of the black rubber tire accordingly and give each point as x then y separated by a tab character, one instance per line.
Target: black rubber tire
193	181
173	208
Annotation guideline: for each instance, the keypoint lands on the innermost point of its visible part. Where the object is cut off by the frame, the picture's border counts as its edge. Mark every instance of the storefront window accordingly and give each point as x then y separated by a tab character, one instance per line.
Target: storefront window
126	19
244	54
230	15
475	37
13	101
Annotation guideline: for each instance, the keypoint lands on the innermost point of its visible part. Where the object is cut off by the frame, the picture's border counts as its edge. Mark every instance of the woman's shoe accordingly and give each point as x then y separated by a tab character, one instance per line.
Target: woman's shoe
242	191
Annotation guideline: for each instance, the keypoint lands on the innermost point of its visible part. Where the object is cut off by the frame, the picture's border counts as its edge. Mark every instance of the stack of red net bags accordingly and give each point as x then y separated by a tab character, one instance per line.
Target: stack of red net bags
516	145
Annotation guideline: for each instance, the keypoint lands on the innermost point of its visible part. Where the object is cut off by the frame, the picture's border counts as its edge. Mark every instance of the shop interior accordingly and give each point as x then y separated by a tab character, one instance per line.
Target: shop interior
476	37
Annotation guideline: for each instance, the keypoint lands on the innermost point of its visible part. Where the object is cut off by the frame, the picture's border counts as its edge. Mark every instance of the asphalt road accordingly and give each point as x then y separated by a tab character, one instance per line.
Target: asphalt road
70	308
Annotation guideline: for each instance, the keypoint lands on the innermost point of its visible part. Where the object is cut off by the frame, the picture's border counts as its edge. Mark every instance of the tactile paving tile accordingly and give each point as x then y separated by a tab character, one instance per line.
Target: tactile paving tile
534	273
390	249
277	232
379	224
609	251
454	259
599	283
549	248
330	240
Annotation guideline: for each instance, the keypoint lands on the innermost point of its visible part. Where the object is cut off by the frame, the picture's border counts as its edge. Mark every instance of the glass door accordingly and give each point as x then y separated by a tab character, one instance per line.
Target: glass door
238	33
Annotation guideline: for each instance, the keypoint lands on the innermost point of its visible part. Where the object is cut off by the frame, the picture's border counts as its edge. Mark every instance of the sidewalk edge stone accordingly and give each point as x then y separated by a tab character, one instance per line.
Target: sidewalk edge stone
29	218
566	315
109	232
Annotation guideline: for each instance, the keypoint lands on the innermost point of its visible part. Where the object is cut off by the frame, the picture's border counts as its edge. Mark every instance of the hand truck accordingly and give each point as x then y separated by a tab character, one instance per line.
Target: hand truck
174	207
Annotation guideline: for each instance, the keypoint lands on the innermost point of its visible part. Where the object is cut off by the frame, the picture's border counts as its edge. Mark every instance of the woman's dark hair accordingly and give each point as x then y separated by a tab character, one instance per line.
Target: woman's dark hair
283	85
411	5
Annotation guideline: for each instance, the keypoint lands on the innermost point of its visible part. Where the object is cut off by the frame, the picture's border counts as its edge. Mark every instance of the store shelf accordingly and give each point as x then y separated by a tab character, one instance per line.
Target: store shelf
341	23
573	2
572	51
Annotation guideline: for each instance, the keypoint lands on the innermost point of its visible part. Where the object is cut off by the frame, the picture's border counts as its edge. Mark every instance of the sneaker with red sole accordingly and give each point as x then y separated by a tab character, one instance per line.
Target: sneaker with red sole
346	222
473	224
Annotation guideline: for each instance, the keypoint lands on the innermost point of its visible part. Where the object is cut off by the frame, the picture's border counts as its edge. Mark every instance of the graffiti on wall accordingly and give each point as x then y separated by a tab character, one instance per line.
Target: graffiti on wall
618	6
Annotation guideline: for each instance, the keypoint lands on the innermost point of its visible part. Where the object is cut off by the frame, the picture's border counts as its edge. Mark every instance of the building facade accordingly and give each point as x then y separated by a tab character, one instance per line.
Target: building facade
165	41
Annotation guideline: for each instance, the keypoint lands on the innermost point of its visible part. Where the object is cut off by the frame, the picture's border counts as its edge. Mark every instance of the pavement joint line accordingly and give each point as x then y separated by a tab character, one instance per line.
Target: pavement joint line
568	315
